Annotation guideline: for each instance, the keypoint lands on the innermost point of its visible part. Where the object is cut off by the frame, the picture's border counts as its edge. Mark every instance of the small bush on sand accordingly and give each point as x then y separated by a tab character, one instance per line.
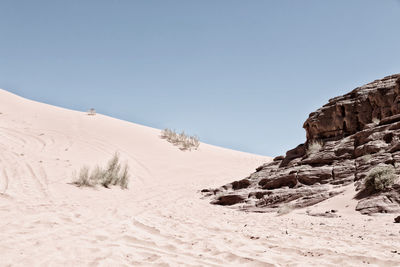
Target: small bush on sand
314	147
183	141
380	178
91	112
375	120
124	177
112	174
83	178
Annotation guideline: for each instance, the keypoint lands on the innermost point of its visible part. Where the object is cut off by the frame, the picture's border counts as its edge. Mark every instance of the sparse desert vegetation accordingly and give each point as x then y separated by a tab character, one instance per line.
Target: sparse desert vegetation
375	120
113	174
380	178
91	112
314	147
182	140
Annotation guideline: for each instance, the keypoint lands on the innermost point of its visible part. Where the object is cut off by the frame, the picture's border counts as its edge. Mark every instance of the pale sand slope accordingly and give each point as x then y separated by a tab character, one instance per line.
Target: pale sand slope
161	219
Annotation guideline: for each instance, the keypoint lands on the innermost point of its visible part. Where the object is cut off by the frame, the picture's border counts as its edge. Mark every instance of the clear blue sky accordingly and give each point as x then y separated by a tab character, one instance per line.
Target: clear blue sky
240	74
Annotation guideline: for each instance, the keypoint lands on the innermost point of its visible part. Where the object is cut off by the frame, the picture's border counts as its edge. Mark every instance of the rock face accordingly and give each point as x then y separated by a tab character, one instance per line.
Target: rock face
348	114
346	138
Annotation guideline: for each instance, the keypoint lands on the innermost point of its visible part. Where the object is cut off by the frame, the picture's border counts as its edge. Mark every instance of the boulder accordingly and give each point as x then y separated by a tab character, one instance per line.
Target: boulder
244	183
370	148
377	204
288	180
297	152
229	200
314	175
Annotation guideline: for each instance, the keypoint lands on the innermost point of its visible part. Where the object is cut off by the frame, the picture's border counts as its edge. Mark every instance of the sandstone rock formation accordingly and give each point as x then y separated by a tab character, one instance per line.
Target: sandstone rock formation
354	133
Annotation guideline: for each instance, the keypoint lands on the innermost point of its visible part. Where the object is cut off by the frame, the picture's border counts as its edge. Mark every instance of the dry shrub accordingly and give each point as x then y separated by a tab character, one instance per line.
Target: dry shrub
183	141
83	179
91	112
112	174
314	147
375	120
380	178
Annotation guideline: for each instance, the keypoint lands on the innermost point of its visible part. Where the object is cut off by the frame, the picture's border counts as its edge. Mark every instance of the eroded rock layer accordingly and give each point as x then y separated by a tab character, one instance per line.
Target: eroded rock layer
346	138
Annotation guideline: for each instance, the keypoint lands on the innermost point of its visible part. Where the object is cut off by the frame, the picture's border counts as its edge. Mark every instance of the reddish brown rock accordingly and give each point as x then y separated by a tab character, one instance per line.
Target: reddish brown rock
288	180
240	184
348	114
370	148
343	173
279	158
229	200
391	119
297	152
314	175
379	203
357	132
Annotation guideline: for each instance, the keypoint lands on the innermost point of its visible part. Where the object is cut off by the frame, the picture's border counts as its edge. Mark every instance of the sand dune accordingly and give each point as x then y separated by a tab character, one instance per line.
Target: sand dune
161	219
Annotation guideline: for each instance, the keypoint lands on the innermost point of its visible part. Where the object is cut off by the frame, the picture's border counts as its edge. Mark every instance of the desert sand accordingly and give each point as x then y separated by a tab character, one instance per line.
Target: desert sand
162	219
